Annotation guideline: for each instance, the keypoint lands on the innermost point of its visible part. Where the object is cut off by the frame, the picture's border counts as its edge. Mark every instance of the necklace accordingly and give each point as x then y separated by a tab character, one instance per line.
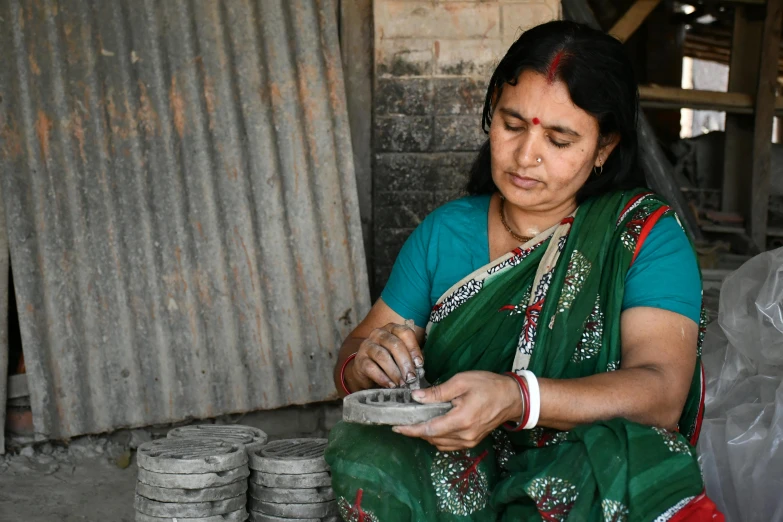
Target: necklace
521	239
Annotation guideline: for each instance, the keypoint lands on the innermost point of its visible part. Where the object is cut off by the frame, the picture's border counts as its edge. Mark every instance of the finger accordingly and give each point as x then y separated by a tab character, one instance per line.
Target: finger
446	444
445	392
372	371
399	352
448	426
454	444
448	447
381	356
407	335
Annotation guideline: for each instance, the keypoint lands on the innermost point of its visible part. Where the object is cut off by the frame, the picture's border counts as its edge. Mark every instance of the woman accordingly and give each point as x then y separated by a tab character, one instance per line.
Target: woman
556	267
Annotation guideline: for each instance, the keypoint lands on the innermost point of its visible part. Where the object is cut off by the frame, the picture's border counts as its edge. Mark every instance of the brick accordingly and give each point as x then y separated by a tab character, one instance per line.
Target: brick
404	215
401	172
459	95
450	171
420	19
380	277
441	197
468	58
409	96
388	242
458	133
517	18
395	198
408	57
422	172
403	133
19	421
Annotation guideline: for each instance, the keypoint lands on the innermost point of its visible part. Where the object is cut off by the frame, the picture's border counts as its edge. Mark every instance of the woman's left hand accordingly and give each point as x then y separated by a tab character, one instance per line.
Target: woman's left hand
482	402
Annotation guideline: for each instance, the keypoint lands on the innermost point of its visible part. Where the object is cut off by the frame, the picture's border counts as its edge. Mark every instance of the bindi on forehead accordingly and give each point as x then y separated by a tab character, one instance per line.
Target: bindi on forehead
536	121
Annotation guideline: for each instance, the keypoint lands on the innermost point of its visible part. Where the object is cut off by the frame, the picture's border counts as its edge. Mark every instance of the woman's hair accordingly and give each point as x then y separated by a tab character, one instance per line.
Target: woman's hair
600	79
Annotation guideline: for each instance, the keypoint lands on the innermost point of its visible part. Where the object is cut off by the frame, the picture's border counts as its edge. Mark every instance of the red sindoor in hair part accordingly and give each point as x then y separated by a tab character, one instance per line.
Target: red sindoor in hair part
552	71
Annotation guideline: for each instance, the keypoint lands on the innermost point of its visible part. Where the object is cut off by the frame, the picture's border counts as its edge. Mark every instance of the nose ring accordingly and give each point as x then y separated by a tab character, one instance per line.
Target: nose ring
538	160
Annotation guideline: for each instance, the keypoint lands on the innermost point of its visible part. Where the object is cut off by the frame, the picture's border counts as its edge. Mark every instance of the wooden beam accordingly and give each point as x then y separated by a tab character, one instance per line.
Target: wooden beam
743	78
762	132
632	19
723	2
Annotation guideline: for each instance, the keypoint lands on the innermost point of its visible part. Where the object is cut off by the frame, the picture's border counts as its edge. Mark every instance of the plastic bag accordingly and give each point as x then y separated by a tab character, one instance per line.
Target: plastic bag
741	443
750	308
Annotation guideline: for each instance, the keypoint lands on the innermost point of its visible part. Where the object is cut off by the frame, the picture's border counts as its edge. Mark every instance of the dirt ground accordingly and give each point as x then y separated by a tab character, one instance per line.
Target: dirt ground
66	488
93	478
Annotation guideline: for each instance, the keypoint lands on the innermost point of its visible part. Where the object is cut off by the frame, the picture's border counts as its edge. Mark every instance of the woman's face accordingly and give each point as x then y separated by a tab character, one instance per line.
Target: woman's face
535	119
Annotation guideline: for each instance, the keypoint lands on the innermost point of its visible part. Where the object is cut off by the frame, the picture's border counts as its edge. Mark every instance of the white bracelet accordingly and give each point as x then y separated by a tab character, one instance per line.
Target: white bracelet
535	398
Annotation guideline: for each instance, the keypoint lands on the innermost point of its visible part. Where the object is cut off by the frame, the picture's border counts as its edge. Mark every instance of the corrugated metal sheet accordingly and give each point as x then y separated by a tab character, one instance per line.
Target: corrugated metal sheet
181	206
3	323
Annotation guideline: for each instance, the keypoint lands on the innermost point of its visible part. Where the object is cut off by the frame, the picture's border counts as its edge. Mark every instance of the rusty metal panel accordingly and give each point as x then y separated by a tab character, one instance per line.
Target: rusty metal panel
181	206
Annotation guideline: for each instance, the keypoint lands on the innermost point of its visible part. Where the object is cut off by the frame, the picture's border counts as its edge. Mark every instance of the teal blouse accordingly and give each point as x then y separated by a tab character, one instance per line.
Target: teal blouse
452	242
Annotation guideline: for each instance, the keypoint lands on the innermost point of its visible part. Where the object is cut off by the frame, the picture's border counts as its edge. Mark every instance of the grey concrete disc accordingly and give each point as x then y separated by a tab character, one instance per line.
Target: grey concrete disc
293	496
261	517
192	495
251	437
193	480
306	480
393	407
290	457
323	509
190	456
240	515
188	510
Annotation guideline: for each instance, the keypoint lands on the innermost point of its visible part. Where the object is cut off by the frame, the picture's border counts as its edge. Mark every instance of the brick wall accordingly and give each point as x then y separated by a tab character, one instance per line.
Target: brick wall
432	64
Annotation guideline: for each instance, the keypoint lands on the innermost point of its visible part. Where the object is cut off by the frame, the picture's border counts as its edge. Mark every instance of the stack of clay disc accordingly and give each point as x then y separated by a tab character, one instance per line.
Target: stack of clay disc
193	480
290	480
251	437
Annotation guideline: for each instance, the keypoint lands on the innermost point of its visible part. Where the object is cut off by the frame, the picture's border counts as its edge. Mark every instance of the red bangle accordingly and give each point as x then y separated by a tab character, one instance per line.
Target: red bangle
511	426
342	373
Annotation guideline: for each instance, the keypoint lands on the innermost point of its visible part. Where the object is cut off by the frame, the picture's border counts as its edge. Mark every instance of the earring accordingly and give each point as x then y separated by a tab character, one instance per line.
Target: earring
538	160
599	172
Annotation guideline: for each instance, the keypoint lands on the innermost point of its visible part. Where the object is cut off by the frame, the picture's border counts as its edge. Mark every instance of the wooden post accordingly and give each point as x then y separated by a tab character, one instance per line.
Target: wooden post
765	111
743	74
356	46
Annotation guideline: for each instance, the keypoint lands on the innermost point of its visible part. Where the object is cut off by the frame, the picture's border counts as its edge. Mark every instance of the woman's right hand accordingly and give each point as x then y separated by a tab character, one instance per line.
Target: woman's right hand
388	357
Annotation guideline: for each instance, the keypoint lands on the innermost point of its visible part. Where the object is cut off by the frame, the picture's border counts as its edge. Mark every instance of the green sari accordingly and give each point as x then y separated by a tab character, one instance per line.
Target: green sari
561	293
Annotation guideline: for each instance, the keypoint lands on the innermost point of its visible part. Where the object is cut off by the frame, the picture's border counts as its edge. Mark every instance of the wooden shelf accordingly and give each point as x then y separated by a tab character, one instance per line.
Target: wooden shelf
653	96
728	229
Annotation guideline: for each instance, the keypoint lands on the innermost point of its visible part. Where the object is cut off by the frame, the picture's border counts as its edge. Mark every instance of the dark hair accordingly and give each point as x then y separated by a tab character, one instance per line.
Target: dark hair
600	79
